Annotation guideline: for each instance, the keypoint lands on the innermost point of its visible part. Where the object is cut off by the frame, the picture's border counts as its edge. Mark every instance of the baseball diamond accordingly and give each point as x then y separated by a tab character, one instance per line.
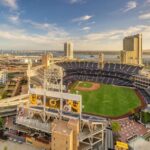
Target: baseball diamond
106	100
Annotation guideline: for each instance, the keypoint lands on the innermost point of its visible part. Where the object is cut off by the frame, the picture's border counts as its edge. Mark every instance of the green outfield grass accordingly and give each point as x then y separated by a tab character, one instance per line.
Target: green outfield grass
108	100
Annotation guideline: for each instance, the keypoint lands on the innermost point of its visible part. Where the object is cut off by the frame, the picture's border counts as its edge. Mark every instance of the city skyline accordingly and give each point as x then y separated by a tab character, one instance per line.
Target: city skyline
89	24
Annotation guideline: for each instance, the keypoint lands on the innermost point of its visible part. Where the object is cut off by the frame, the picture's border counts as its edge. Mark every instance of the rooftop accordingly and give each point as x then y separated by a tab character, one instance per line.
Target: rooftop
61	127
140	144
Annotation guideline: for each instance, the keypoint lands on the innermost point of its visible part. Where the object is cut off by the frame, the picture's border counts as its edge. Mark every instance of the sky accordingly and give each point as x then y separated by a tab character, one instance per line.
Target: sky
89	24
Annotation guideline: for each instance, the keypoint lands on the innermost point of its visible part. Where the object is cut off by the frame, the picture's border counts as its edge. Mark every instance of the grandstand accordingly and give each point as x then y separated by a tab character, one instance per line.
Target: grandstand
142	83
111	73
117	74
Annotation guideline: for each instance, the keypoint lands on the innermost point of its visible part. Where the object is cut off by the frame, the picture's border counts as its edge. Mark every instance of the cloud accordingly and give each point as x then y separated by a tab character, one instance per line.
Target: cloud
130	5
112	40
101	36
116	34
14	19
90	23
42	26
50	28
10	3
76	1
145	16
26	39
86	28
82	18
13	38
147	1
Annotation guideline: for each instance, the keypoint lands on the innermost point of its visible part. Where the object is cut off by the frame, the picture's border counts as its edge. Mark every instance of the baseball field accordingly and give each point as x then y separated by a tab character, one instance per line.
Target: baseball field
106	100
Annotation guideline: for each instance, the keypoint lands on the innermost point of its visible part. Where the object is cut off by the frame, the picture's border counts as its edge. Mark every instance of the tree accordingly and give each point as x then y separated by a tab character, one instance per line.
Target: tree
145	117
1	122
116	127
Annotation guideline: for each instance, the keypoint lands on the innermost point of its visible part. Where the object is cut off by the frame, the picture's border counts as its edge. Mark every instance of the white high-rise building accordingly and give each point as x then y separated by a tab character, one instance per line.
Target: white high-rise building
68	50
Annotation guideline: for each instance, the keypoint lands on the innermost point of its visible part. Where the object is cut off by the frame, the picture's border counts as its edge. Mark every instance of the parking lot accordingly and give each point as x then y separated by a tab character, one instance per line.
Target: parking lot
16	146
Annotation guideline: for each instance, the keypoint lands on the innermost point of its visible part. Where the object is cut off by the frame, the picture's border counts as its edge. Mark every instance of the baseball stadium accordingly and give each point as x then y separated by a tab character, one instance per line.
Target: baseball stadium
108	92
111	90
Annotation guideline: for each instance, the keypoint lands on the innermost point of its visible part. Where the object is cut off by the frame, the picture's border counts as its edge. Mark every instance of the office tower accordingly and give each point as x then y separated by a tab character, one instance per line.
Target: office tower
68	50
132	50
